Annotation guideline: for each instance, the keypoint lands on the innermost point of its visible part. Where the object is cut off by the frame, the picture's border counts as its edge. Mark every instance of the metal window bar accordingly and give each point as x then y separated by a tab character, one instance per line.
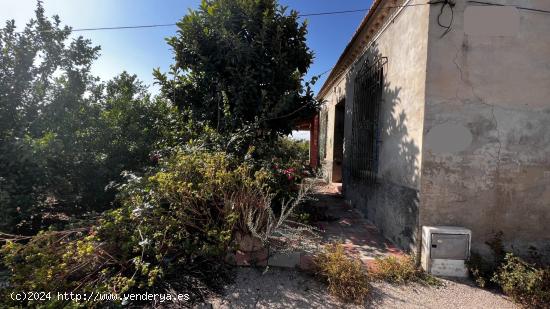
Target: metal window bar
369	85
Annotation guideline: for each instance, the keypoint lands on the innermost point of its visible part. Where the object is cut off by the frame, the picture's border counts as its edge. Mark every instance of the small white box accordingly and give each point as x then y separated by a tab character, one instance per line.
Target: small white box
445	250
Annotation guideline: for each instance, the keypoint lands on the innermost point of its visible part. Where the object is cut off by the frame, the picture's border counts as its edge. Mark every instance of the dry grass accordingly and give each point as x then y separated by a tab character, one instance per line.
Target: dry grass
400	270
346	278
279	232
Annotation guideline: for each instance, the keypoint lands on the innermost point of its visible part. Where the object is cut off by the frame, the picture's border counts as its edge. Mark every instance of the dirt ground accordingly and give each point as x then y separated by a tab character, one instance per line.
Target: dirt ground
281	288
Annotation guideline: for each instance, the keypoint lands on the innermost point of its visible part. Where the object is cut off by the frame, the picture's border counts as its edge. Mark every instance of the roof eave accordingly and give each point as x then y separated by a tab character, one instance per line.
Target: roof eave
334	72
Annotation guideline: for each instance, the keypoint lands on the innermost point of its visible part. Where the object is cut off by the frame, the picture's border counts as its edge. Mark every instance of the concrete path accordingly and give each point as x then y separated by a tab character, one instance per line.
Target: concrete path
344	224
338	223
288	288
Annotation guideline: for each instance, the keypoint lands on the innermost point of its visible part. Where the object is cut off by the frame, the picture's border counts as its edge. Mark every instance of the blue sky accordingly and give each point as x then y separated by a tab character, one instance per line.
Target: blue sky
138	51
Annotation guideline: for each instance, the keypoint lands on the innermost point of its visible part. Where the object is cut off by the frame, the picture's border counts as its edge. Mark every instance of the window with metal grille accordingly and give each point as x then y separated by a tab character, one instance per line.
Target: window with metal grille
368	87
323	123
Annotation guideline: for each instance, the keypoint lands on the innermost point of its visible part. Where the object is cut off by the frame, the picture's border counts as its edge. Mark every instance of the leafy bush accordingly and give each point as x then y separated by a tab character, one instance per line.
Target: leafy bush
400	270
346	278
526	283
283	164
176	222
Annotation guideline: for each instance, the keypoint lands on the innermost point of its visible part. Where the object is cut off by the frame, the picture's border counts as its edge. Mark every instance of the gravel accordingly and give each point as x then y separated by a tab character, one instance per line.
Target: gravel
280	288
453	294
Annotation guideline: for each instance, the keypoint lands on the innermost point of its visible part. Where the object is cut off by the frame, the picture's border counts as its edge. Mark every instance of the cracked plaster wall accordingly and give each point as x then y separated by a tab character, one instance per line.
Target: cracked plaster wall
486	152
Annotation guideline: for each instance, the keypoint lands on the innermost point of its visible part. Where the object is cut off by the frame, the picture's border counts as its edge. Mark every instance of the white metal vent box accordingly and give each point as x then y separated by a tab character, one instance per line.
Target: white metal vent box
445	250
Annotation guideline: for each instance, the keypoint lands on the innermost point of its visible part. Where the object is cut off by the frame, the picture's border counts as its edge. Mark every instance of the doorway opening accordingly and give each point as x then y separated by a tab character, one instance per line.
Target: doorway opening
306	133
338	150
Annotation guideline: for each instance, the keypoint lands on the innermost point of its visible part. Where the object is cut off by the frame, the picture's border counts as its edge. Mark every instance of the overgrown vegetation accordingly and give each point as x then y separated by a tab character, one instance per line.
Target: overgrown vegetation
400	270
106	188
347	279
527	283
176	220
65	135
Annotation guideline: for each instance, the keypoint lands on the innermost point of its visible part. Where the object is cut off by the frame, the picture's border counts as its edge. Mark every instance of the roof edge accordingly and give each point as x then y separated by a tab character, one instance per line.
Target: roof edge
333	75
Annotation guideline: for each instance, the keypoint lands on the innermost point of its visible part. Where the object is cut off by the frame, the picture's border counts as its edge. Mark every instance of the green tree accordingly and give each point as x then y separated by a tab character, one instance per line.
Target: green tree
43	76
240	64
131	123
65	135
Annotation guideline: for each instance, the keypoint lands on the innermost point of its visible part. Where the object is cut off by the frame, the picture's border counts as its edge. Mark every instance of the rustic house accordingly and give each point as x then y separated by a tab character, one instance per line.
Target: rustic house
439	114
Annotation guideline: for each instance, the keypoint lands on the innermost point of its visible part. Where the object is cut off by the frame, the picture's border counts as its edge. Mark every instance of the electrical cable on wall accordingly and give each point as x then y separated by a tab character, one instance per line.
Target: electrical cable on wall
444	4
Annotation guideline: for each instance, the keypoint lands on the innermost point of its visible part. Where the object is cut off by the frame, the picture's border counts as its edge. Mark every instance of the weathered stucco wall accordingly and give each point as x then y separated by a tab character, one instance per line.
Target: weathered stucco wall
486	154
392	203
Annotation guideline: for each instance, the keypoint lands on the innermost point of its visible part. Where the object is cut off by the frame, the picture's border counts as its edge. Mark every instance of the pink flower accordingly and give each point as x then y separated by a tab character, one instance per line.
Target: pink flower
289	171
